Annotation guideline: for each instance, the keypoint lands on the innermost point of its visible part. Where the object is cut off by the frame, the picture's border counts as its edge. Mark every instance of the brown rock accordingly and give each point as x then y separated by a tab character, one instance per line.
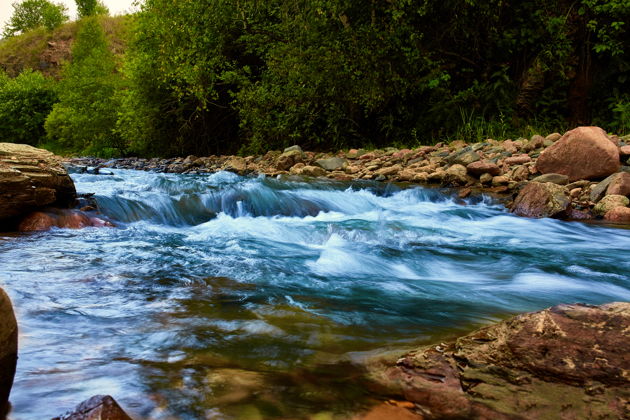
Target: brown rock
618	215
619	185
625	150
236	164
288	159
608	203
31	178
481	167
554	137
582	153
500	180
313	171
389	412
8	350
517	160
388	171
541	200
99	407
566	362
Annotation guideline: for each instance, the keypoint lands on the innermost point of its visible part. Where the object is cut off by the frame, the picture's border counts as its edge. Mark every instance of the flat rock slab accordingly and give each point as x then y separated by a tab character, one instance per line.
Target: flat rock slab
31	178
565	362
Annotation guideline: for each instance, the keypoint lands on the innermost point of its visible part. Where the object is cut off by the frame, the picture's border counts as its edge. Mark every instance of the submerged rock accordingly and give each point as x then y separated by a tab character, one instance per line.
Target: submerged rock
64	219
8	350
541	200
99	407
582	153
31	178
566	362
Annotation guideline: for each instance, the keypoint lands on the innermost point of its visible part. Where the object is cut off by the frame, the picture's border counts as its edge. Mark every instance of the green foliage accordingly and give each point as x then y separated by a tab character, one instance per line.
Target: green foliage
31	14
91	8
84	119
24	104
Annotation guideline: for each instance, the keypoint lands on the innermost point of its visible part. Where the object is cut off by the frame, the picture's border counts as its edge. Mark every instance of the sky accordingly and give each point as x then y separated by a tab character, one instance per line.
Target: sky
116	7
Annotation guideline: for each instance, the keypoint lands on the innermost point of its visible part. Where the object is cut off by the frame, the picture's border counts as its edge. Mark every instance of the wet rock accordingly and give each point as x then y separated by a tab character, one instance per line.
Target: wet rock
386	411
566	362
608	203
63	219
582	153
481	167
332	164
8	350
559	179
618	215
575	214
99	407
31	178
541	200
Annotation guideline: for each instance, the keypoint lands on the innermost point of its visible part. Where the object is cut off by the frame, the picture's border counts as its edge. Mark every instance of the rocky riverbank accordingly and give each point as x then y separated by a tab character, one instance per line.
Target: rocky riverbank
583	174
565	362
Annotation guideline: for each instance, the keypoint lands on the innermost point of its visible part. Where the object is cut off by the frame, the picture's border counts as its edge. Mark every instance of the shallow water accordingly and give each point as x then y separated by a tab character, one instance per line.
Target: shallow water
219	296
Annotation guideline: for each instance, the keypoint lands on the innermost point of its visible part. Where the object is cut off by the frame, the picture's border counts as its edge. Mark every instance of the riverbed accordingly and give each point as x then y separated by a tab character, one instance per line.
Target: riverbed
221	296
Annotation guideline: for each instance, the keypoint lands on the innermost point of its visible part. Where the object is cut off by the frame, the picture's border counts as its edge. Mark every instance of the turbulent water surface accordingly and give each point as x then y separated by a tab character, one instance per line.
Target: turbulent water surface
220	296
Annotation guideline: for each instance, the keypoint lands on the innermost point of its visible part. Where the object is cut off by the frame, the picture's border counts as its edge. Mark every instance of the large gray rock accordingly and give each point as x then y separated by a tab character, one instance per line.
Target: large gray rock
30	179
8	350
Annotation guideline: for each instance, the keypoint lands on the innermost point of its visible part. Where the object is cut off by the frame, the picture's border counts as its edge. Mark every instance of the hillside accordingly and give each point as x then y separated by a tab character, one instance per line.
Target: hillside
46	51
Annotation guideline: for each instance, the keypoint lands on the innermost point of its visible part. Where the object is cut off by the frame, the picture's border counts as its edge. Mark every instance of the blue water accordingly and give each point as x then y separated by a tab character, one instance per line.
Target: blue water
218	296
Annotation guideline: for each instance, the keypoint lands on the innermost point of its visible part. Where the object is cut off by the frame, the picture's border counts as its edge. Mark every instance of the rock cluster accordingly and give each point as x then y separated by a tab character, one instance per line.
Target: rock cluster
566	362
562	176
31	179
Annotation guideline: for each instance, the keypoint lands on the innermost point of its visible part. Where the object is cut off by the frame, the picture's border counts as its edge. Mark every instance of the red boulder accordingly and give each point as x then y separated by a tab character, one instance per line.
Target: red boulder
582	153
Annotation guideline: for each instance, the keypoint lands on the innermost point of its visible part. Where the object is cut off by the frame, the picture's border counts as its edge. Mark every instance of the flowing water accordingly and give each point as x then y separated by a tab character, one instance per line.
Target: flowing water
218	296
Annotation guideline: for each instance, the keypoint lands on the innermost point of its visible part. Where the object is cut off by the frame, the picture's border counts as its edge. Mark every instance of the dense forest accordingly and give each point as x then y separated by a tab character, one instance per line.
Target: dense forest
225	76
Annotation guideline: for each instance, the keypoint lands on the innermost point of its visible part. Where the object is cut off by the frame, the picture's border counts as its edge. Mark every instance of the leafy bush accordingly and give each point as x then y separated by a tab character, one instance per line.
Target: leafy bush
24	104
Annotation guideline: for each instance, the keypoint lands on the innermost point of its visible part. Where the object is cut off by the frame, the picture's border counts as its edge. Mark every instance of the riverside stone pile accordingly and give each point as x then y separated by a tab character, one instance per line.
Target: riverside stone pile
580	175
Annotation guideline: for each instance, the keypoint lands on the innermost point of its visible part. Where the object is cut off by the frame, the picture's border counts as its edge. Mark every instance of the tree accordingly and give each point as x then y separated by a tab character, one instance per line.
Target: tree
31	14
84	119
91	8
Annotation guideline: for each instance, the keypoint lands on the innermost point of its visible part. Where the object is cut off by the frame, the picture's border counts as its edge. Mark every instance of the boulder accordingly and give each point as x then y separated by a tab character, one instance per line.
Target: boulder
582	153
236	164
99	407
465	157
456	175
313	171
565	362
8	350
619	184
541	200
31	178
618	215
481	167
553	178
332	164
289	158
608	203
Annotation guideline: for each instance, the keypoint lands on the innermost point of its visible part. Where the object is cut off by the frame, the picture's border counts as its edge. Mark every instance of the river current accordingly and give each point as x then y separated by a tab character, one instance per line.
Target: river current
220	296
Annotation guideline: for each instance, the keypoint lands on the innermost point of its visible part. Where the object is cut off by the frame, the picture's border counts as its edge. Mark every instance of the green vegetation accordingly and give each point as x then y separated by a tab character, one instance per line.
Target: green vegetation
25	101
249	76
83	120
31	14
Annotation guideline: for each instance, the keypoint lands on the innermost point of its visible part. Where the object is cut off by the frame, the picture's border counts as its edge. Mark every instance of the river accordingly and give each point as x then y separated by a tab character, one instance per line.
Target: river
220	296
